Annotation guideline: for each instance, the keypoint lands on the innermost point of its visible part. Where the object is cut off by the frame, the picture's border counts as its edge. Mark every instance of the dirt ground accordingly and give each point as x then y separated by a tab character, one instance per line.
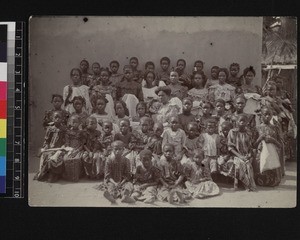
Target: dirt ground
83	194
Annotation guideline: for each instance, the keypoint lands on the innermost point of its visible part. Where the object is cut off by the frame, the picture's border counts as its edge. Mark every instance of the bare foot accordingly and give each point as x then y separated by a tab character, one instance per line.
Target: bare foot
109	197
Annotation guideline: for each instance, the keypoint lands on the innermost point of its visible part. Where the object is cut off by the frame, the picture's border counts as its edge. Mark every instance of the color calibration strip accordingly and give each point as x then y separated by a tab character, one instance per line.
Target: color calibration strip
3	106
11	144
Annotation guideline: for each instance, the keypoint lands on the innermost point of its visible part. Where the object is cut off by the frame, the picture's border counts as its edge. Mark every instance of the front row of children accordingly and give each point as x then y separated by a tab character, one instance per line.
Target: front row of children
167	164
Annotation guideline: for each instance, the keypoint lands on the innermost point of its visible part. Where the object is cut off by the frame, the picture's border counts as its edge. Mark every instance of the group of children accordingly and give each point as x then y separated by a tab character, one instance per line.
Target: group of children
167	135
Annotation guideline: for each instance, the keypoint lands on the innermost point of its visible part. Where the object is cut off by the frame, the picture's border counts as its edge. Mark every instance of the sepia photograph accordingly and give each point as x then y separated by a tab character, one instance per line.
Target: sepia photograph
166	112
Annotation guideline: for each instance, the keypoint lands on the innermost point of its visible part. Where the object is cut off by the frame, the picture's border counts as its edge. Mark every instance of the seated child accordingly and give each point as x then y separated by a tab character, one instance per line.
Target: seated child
78	104
214	77
198	181
75	140
115	77
177	90
57	101
146	179
93	163
208	142
233	79
240	145
186	116
143	134
51	160
164	74
86	77
154	143
141	110
176	136
171	176
117	175
198	92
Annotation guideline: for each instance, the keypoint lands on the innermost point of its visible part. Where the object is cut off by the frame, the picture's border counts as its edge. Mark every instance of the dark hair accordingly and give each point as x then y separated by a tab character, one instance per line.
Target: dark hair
187	98
84	60
242	115
146	74
57	96
204	78
98	97
126	120
211	120
194	124
220	100
114	61
207	102
234	65
240	97
79	98
134	58
124	106
181	60
214	67
225	70
105	70
165	59
149	63
249	69
167	90
141	104
169	145
96	63
127	67
227	123
198	61
76	69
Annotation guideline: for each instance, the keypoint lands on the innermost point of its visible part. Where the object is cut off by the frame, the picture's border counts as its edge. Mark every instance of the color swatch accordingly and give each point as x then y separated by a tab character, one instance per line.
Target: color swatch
3	106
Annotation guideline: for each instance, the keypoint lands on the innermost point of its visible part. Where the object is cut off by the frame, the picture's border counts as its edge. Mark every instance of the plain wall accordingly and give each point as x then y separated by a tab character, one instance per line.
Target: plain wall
58	44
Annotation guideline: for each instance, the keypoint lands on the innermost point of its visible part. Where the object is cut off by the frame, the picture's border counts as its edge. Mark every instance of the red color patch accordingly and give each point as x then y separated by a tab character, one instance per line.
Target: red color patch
3	109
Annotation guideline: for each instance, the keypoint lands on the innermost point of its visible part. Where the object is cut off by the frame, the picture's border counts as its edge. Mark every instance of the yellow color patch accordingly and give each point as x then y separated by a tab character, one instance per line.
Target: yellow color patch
2	128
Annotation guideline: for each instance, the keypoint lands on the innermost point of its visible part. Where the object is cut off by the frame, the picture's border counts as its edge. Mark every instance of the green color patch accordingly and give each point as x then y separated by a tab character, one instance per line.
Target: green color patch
2	146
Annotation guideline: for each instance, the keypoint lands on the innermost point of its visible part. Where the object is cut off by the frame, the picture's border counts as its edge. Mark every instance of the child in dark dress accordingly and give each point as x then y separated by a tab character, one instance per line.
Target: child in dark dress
78	104
234	79
115	77
57	101
154	143
86	77
186	116
207	109
96	74
184	77
93	162
164	73
137	74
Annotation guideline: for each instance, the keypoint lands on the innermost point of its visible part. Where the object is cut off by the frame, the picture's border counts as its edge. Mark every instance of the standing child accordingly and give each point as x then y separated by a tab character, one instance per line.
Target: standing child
220	112
115	77
146	179
175	136
86	76
107	137
76	89
269	160
208	141
137	74
149	66
164	73
154	143
149	87
186	116
240	145
117	175
57	101
207	109
78	105
192	141
198	66
198	179
171	176
214	77
183	76
93	163
234	79
51	161
96	74
75	140
105	86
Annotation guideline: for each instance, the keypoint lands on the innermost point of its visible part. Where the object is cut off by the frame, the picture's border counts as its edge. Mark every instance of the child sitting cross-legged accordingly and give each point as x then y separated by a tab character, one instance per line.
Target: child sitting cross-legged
199	183
146	179
117	176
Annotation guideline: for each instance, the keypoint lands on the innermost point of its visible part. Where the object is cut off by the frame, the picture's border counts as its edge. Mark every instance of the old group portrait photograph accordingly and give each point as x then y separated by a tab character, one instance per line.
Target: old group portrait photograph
162	112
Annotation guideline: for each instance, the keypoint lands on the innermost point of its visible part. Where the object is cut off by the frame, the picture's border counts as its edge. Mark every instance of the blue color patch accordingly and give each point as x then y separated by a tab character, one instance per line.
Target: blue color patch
2	166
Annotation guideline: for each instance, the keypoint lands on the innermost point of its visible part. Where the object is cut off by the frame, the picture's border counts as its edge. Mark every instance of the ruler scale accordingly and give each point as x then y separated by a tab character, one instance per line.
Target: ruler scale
15	111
